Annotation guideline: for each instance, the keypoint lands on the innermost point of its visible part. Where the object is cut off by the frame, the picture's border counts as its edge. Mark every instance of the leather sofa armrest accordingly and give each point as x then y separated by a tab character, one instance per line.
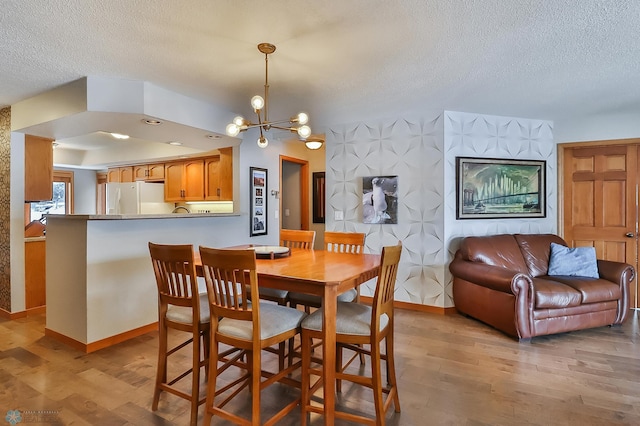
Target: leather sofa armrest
493	277
617	272
621	274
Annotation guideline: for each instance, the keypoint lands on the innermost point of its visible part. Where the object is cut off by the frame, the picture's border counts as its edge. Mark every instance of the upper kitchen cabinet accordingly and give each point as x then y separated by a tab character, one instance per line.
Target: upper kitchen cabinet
38	168
218	181
149	172
120	174
184	180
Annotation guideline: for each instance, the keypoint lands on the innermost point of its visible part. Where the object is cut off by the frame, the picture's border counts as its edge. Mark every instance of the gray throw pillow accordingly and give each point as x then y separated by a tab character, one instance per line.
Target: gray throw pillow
576	262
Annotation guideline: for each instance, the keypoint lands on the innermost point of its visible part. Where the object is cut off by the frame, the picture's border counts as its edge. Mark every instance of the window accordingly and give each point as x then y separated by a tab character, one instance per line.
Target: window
61	202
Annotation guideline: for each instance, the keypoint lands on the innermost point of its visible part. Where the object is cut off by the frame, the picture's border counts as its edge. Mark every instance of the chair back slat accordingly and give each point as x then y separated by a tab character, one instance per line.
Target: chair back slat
345	242
232	281
174	269
385	288
294	238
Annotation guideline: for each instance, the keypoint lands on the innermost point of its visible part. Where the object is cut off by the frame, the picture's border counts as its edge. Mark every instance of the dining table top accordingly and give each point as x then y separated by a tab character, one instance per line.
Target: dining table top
313	268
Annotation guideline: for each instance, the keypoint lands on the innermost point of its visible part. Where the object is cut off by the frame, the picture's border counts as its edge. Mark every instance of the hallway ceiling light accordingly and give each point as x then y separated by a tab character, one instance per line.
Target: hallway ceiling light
119	136
260	106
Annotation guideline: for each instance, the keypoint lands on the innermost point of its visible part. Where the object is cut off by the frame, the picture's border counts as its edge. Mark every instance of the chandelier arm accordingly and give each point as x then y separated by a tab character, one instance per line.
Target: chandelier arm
291	129
266	87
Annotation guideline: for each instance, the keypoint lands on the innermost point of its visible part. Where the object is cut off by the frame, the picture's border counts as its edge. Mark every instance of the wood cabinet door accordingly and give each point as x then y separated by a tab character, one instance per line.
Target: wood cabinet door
193	183
126	174
226	174
212	178
600	201
35	274
155	172
113	175
38	168
140	172
173	176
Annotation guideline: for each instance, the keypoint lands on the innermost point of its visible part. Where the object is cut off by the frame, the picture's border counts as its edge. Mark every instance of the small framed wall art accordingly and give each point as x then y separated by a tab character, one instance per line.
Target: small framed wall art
258	201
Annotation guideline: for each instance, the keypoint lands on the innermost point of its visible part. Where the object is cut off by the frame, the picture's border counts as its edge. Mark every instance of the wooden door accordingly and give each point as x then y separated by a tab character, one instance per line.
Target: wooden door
600	201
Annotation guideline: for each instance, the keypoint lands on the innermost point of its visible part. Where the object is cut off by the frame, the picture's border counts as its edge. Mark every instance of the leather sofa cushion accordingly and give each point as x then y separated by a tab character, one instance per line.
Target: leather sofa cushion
536	249
495	250
593	290
554	294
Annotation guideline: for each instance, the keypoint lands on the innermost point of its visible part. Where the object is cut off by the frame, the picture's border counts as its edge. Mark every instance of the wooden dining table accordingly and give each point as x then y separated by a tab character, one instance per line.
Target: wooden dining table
325	274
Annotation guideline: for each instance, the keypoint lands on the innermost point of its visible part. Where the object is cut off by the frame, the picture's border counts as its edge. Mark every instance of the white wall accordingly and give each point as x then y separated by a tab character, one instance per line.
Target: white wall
84	190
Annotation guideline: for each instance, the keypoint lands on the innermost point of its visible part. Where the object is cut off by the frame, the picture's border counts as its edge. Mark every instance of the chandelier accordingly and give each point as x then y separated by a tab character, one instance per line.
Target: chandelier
297	124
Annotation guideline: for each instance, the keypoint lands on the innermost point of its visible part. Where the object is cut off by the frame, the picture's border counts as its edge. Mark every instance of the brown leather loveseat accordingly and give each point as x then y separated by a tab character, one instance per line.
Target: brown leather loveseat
502	280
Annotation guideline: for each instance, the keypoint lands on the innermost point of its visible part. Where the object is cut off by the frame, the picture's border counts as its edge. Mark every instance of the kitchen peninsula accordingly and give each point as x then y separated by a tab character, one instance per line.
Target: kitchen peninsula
100	284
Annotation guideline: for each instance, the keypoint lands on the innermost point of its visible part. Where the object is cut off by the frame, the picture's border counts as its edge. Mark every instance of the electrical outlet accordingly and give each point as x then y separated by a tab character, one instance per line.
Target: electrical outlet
338	215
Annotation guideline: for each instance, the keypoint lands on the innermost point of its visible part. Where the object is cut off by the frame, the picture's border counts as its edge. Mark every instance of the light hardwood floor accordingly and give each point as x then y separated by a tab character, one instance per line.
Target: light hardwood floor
452	371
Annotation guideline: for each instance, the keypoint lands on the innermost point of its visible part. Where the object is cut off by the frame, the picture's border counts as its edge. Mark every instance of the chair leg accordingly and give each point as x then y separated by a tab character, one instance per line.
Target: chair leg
161	373
391	370
256	377
339	367
211	386
195	378
305	397
206	349
376	382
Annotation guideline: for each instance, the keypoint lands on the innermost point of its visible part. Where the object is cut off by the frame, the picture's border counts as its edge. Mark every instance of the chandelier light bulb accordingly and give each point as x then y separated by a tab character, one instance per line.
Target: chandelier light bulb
304	131
257	102
233	129
238	121
263	142
303	118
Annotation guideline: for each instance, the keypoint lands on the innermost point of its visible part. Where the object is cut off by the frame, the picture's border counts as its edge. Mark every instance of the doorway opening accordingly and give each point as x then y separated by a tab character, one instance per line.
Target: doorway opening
294	193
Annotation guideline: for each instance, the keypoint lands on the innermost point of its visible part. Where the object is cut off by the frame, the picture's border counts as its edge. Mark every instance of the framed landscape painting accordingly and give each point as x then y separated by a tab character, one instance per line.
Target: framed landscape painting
495	188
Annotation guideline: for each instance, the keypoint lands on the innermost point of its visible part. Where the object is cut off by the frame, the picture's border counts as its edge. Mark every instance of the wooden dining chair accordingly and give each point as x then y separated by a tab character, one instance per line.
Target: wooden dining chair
295	238
181	308
356	325
339	242
238	321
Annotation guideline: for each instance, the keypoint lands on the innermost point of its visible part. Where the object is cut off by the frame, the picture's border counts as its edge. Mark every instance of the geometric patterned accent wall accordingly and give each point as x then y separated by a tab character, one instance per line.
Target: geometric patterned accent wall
484	136
5	208
421	151
412	149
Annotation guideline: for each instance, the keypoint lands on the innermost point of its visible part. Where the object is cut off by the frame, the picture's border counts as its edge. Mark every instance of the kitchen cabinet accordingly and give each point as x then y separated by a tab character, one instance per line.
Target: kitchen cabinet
35	273
184	180
149	172
218	179
120	174
38	168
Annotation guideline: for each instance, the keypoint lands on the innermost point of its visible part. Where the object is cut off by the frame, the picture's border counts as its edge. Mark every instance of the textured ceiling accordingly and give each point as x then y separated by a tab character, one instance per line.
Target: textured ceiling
338	60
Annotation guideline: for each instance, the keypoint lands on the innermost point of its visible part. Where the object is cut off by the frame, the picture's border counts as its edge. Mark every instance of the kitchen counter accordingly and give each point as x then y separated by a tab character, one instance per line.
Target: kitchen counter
138	216
34	239
101	289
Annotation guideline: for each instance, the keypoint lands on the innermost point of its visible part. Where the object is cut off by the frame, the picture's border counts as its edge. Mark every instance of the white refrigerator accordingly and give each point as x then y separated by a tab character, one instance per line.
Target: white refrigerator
137	198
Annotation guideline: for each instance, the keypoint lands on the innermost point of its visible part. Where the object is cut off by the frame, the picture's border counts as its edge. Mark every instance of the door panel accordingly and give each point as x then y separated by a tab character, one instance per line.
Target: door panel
600	201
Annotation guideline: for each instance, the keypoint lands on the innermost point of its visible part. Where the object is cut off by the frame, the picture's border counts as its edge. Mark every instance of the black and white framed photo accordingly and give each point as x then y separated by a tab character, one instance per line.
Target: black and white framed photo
380	199
498	188
258	197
